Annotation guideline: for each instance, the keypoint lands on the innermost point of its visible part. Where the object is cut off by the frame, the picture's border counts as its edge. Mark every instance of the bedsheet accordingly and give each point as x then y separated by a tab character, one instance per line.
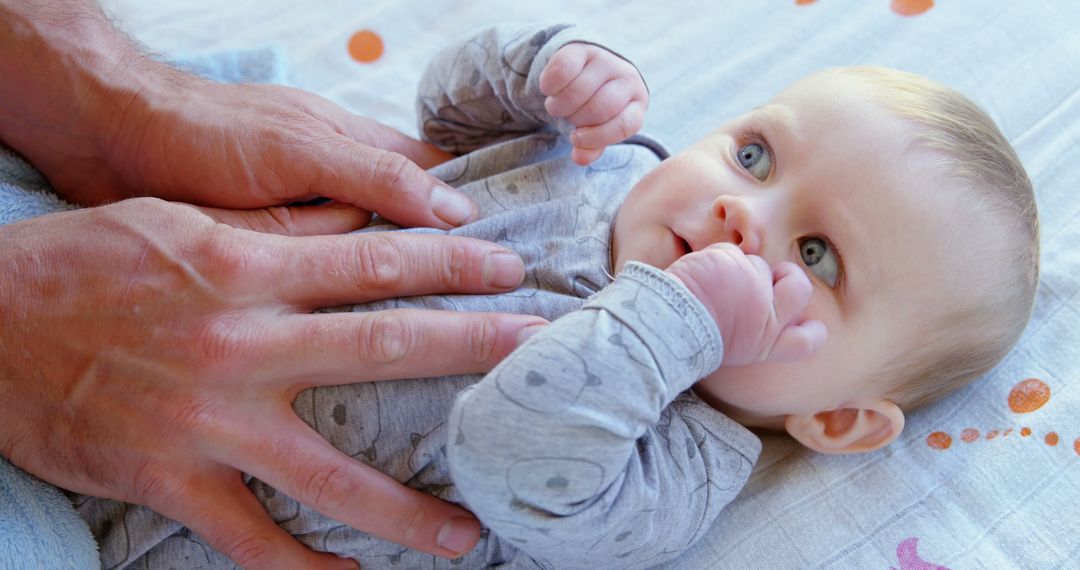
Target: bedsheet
986	478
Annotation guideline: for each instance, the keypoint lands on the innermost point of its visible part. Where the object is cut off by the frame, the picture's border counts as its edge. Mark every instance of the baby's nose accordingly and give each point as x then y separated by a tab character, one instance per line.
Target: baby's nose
739	223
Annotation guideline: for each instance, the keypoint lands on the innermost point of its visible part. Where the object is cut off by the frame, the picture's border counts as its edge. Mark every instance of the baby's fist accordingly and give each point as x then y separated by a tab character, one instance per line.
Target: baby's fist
600	93
756	307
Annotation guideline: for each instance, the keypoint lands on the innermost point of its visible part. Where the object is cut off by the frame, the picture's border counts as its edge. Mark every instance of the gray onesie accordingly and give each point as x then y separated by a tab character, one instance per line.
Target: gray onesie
584	448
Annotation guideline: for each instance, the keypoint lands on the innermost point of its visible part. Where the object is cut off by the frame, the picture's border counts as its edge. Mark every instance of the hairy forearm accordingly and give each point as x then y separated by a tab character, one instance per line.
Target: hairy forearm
69	79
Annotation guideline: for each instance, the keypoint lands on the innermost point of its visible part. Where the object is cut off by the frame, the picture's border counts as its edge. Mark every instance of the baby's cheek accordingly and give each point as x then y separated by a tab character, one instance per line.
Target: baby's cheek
822	307
759	388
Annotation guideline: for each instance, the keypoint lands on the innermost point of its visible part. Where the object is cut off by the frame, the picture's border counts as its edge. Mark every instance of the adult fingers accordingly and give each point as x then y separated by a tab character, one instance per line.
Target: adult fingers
376	134
335	218
330	270
289	456
224	513
620	128
797	342
791	291
385	345
388	183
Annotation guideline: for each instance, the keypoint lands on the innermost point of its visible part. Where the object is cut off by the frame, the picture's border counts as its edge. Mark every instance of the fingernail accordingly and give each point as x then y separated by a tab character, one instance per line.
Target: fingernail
458	535
503	270
450	206
575	139
527	332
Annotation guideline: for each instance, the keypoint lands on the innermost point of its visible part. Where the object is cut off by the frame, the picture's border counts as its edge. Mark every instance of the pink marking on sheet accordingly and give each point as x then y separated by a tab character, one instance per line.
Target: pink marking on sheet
908	557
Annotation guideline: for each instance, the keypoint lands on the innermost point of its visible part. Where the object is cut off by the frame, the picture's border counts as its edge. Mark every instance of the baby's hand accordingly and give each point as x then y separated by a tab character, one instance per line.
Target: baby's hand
600	93
754	306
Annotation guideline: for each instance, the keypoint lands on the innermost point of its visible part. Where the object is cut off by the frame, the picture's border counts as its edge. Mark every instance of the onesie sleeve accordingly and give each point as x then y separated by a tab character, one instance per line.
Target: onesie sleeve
584	448
486	89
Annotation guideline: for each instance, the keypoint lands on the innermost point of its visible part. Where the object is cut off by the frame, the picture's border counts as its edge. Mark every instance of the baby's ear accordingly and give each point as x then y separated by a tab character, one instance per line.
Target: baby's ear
861	426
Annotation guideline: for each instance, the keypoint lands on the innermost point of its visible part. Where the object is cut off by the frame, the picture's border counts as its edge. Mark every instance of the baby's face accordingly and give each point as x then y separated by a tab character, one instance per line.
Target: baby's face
826	177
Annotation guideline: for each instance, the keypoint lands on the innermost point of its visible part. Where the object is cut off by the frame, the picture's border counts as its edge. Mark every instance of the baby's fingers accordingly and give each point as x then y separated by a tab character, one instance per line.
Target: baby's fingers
564	67
797	342
585	156
621	127
604	105
791	292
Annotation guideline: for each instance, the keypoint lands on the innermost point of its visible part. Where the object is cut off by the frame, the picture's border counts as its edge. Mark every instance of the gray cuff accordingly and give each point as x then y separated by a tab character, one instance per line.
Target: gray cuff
667	316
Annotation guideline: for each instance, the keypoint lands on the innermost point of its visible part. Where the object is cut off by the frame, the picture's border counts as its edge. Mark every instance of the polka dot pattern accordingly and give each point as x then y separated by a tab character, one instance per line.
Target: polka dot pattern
365	46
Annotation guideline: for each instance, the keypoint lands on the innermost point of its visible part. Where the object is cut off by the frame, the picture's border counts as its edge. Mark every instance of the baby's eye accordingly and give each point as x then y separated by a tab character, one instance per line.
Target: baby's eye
755	158
820	259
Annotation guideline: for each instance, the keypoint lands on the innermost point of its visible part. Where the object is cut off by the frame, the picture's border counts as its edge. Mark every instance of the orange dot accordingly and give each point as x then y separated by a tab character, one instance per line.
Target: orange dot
365	46
969	435
1007	432
1076	446
1028	396
991	434
804	2
1025	431
911	7
941	440
1051	438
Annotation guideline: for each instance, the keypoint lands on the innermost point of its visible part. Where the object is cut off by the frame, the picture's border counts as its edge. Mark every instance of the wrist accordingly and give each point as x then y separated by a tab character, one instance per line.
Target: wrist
70	80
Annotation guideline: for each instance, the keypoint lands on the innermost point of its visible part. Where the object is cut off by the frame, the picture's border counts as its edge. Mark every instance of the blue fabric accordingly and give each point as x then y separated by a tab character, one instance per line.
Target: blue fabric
39	527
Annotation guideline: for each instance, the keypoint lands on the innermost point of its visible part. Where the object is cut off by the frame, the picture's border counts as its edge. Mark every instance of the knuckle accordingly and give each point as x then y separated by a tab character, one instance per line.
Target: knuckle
412	523
627	124
552	105
482	336
378	263
391	170
558	69
227	260
148	482
568	59
154	483
223	341
250	549
386	337
455	267
325	488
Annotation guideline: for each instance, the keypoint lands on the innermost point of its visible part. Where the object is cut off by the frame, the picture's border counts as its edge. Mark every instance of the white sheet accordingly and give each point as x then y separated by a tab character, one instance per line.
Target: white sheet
1010	501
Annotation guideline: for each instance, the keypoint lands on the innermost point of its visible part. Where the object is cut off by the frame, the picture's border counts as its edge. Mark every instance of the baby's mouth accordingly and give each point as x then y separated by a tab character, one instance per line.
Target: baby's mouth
682	245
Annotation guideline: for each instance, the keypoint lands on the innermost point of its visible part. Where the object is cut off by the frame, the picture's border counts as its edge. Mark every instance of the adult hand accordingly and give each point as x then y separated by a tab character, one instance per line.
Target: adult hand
246	146
104	122
150	353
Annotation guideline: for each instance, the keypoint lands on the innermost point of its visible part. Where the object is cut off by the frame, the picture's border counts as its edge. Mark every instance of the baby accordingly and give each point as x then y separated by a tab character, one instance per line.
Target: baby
859	246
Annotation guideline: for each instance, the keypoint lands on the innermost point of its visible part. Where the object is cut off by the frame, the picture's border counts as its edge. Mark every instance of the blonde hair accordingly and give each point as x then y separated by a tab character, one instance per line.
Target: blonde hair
962	345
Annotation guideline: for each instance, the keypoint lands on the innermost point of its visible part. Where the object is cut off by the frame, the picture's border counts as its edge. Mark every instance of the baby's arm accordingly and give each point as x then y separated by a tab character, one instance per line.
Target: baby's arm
489	88
572	448
566	450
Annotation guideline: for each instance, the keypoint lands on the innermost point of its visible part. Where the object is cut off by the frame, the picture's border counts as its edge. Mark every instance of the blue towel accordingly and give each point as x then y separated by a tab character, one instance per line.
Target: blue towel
39	528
